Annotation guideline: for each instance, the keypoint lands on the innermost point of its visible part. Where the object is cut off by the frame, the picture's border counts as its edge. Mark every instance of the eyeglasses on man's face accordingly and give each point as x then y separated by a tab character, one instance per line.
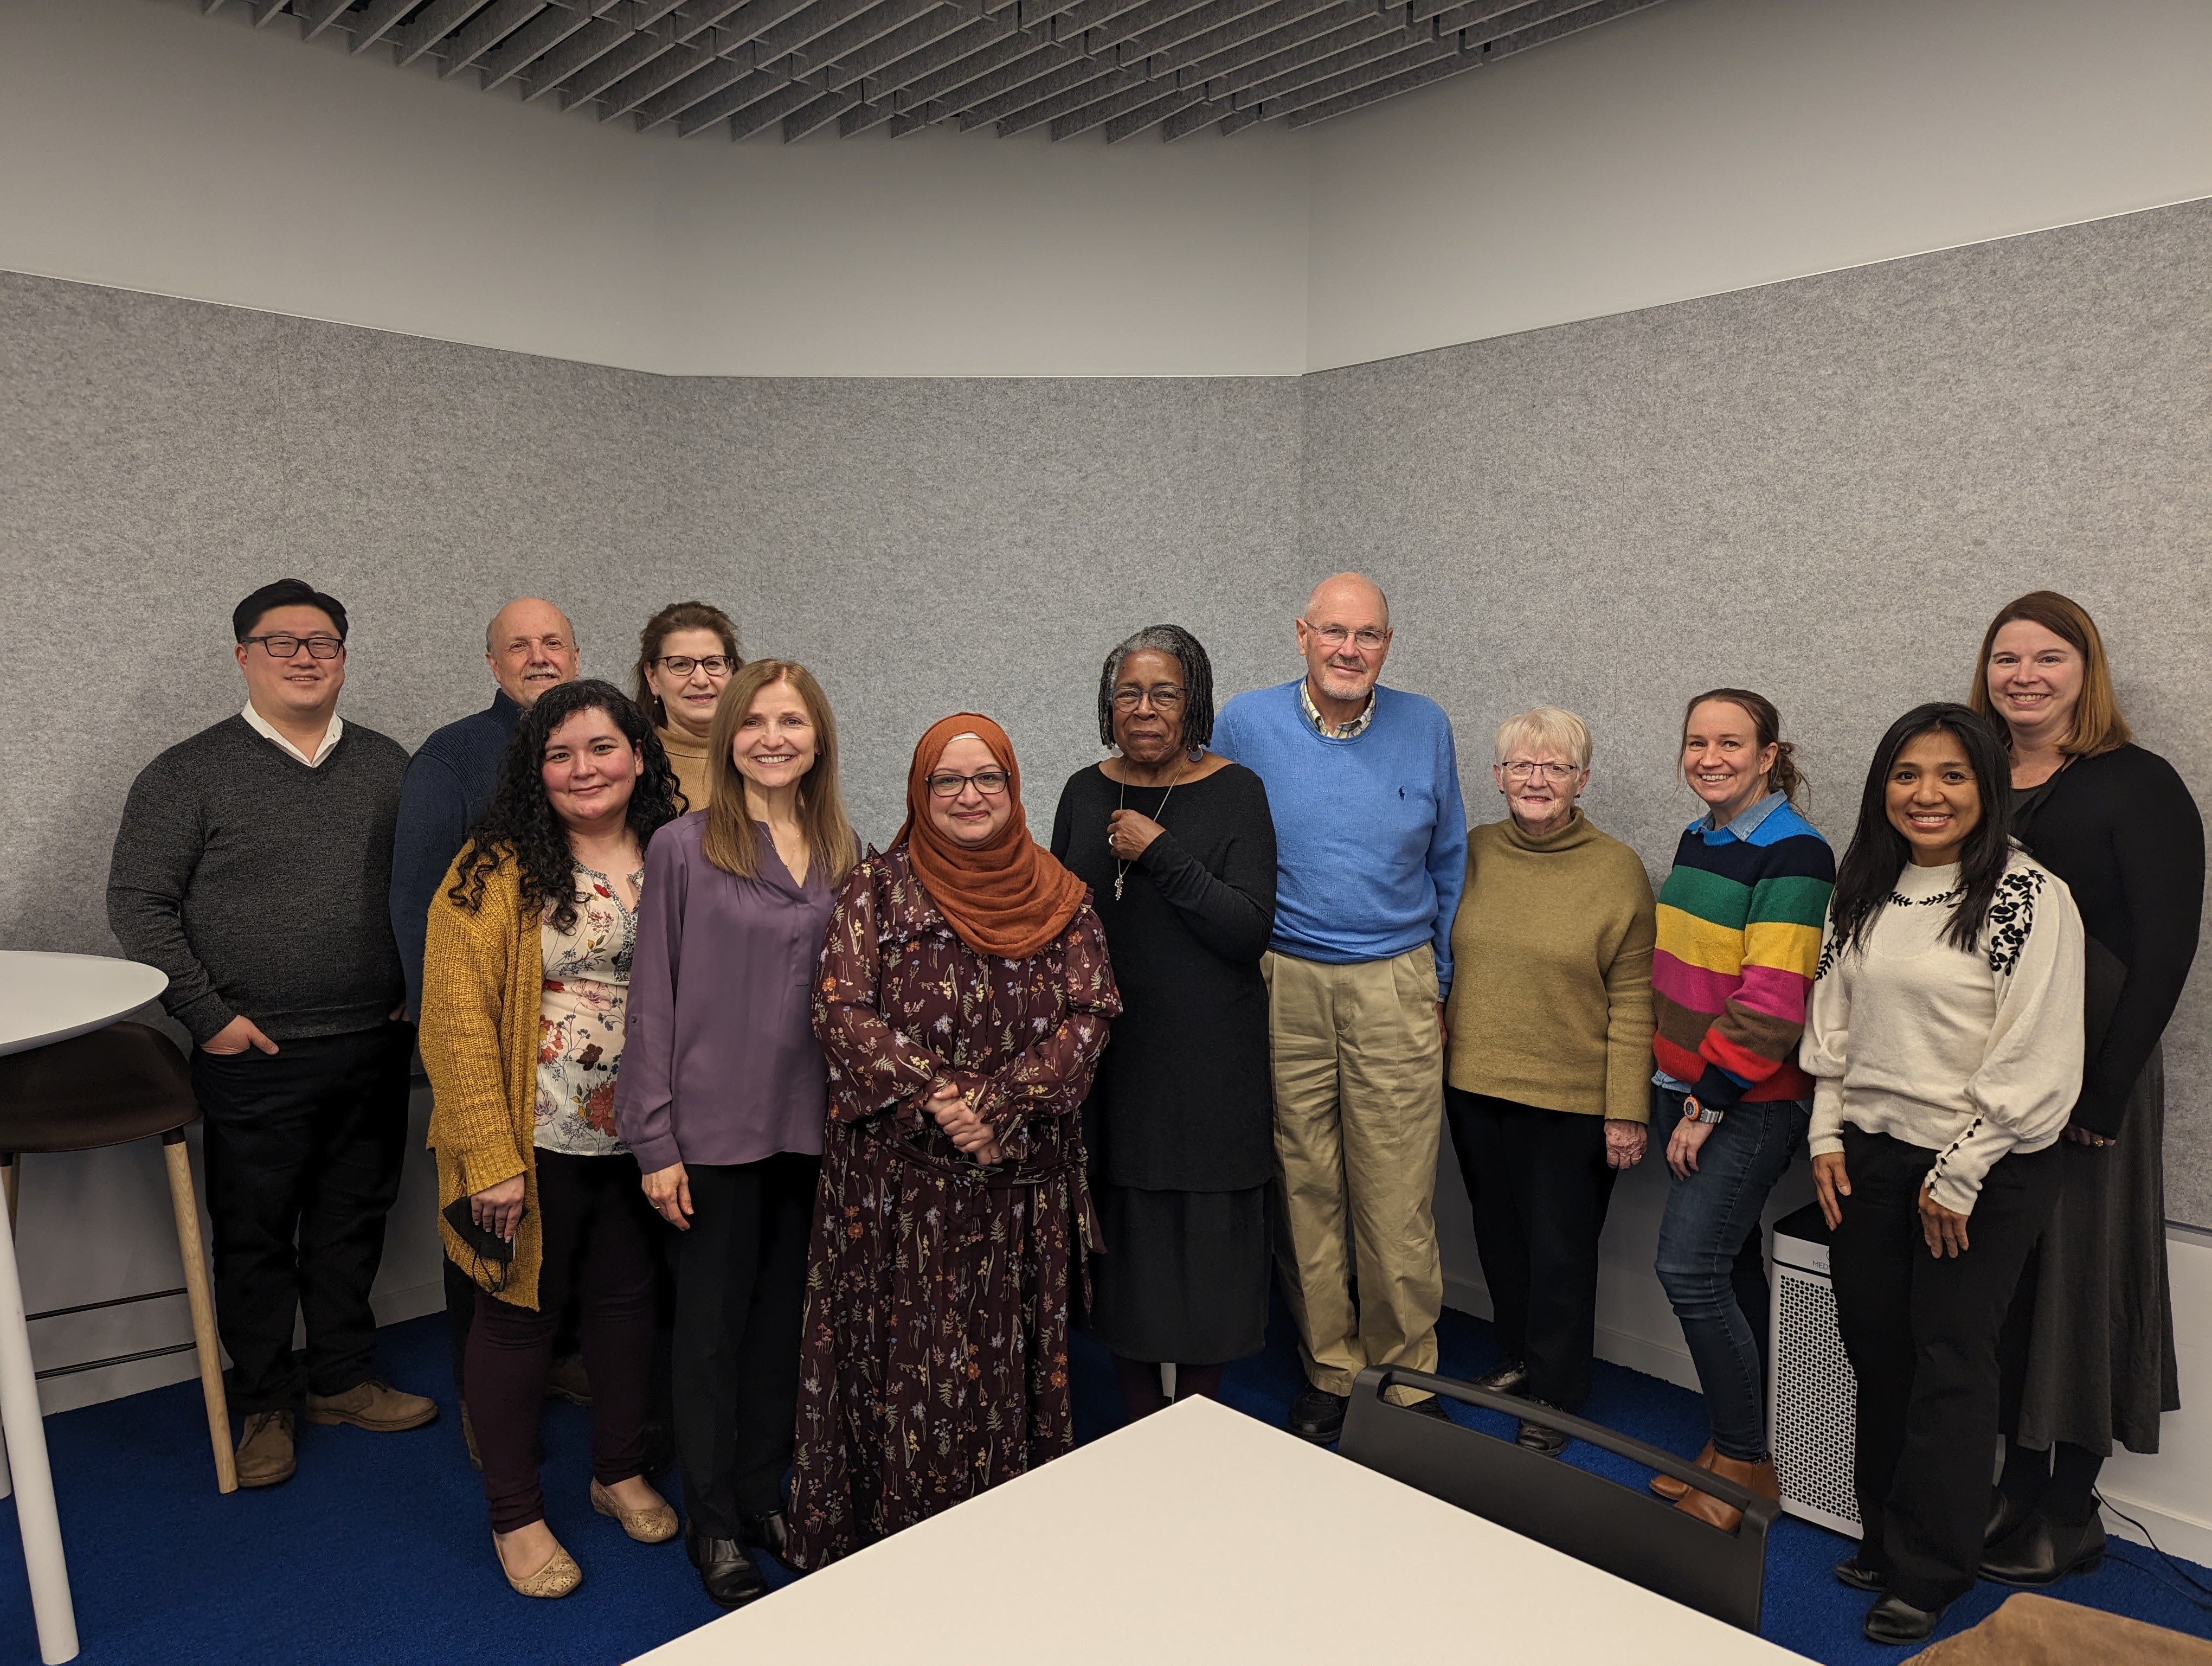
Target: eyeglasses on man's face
1522	770
1165	698
286	647
989	782
683	665
1366	639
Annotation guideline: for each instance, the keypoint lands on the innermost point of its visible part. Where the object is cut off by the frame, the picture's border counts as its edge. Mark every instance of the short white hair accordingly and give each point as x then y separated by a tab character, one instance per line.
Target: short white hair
1547	727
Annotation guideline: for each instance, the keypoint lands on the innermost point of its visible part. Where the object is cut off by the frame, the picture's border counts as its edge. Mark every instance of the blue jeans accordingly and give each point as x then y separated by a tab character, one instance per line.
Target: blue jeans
1712	1257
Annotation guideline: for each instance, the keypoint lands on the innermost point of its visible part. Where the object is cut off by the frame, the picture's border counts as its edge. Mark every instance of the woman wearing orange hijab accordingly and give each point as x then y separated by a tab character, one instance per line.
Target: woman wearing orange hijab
963	1000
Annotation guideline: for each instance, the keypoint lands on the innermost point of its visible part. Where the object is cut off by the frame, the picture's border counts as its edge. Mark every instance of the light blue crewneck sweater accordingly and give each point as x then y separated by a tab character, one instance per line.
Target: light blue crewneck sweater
1371	835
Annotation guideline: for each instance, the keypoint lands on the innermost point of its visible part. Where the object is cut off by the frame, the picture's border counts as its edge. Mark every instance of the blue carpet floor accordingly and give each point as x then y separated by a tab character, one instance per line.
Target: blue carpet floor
377	1550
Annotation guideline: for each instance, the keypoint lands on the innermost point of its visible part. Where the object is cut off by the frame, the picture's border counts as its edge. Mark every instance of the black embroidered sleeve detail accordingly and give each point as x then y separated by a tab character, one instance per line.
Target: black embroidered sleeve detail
2012	917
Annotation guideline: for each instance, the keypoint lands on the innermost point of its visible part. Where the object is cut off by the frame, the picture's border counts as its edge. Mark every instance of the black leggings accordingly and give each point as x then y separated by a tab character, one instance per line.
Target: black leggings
599	1238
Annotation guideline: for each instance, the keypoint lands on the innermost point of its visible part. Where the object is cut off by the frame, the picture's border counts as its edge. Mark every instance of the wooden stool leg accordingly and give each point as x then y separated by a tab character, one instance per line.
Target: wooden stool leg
189	1249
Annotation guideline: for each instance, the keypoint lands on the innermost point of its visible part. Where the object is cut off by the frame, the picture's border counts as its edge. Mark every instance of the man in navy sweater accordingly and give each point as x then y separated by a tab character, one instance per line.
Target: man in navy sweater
1371	854
450	780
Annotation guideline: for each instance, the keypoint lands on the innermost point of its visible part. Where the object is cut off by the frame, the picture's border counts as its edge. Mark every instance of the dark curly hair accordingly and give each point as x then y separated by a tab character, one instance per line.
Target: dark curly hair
1187	651
521	818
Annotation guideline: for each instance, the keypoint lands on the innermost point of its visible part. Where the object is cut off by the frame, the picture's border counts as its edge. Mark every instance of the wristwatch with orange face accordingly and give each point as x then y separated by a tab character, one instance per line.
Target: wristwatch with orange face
1699	1112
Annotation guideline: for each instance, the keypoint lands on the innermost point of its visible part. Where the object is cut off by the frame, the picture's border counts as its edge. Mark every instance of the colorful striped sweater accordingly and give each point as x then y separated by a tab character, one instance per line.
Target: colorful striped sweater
1739	938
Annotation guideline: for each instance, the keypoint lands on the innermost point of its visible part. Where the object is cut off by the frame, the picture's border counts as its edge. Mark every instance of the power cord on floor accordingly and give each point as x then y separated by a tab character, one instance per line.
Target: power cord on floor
2199	1593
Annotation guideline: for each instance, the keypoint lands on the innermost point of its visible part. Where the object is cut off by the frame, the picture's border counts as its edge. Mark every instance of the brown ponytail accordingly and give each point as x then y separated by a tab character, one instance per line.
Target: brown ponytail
1785	777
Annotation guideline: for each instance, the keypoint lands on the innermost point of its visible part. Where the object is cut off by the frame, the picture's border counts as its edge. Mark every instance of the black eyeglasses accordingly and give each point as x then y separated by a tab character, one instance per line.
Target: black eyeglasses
682	664
989	782
1163	700
286	647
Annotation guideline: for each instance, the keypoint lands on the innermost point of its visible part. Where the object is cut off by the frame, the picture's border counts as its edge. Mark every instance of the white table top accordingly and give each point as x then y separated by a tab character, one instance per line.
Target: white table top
1200	1534
50	997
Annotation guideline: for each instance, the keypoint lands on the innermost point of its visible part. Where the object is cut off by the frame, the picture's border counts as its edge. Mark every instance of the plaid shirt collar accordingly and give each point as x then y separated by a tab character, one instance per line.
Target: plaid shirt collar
1357	726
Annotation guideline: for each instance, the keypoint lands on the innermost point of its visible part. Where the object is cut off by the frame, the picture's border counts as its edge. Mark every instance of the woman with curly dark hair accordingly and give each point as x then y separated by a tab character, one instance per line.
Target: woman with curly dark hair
526	972
1944	1039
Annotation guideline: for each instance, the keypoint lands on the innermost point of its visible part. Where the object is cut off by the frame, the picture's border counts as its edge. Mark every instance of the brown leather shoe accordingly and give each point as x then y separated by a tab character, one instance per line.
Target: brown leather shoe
568	1380
1672	1489
372	1405
1752	1477
264	1452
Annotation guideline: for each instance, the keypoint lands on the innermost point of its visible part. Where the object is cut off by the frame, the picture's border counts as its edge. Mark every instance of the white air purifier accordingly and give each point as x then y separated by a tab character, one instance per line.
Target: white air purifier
1814	1410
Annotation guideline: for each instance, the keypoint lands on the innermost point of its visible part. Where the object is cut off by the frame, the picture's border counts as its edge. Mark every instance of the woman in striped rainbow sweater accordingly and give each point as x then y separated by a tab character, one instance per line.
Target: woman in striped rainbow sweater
1739	937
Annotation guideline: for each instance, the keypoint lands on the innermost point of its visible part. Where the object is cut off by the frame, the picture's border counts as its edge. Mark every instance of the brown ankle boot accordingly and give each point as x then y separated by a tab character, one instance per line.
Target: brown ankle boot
1670	1489
1752	1477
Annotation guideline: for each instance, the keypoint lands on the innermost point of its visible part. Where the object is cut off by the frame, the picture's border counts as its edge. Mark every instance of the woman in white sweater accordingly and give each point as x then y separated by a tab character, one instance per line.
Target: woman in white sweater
1945	1038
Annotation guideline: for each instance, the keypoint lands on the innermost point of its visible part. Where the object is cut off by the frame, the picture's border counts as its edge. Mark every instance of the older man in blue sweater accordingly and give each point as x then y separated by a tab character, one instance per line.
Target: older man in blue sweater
1371	841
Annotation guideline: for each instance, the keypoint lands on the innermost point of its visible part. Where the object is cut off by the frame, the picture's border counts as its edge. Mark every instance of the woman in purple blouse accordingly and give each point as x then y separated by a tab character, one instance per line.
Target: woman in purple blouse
723	1091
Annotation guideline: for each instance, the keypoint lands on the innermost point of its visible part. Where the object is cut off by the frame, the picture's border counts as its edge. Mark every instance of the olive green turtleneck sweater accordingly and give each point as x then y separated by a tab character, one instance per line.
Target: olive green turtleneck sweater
1551	1003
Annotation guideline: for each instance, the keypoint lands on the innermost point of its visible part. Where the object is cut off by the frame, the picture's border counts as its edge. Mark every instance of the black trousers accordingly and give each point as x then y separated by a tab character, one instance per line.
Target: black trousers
599	1237
740	1287
1540	1185
1921	1333
304	1148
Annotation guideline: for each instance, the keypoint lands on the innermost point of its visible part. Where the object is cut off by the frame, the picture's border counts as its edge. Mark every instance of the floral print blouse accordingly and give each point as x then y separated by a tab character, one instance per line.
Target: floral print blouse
579	1018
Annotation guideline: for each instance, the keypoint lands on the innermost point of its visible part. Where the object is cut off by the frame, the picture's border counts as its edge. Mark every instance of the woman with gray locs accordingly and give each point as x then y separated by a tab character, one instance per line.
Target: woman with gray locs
1547	1060
1178	849
724	1091
2118	826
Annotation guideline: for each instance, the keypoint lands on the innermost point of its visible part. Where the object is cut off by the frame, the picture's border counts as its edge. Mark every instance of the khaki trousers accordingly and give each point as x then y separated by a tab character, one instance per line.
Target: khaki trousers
1358	1080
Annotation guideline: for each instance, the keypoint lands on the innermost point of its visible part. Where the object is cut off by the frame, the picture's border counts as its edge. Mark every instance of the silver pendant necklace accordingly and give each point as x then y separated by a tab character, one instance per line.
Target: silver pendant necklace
1122	868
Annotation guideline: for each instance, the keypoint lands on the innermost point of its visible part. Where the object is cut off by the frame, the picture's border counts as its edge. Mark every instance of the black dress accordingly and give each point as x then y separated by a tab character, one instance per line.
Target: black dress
2093	1315
1180	1121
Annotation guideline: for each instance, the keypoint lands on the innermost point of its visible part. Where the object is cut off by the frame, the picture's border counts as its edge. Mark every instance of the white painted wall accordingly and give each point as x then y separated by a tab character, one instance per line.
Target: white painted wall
1708	145
152	148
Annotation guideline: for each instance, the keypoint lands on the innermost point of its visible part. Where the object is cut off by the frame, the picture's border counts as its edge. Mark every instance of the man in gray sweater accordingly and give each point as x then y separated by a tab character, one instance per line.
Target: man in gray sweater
251	867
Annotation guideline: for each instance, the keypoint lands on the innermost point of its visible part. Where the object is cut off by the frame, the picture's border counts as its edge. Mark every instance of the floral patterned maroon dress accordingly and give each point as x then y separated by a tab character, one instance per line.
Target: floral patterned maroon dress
934	1361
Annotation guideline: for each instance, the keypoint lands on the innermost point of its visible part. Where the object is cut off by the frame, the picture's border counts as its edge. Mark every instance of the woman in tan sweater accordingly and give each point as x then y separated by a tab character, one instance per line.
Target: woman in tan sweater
1549	1056
525	979
685	654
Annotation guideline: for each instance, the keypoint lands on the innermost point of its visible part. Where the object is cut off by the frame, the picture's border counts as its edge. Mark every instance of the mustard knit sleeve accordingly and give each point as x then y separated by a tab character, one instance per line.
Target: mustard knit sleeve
1629	1019
466	963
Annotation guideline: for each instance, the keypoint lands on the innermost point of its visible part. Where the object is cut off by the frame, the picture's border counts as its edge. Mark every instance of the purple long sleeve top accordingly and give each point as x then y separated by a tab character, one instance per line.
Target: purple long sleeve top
719	1064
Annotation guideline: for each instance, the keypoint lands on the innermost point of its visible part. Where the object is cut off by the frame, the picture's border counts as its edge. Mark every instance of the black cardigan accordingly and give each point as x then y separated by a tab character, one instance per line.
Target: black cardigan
1181	1100
2122	831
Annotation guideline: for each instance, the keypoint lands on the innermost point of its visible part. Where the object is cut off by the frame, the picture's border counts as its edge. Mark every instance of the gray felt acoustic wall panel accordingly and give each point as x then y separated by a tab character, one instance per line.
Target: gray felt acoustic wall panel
1819	488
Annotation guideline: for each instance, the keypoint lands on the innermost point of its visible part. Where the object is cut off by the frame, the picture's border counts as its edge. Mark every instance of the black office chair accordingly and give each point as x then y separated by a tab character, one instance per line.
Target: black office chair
1624	1530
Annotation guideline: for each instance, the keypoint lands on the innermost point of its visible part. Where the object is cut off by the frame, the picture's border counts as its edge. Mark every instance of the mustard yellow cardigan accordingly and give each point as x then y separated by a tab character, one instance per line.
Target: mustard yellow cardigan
483	981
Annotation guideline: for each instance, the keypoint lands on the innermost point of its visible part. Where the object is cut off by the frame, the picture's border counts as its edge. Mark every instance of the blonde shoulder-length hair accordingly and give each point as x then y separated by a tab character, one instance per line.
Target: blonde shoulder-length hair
731	841
2098	725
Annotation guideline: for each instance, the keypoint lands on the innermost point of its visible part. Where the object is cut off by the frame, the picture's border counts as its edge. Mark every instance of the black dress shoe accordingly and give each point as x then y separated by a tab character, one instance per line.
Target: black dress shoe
2008	1515
1318	1415
764	1532
1506	1377
731	1578
1537	1437
1860	1576
2040	1553
1893	1620
1432	1407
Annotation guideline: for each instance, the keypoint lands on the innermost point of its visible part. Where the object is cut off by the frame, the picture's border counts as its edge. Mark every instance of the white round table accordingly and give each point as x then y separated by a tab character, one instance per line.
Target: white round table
48	998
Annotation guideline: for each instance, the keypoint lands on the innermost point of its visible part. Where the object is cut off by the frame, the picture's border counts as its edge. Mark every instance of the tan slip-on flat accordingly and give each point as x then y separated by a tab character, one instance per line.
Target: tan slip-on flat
648	1527
557	1577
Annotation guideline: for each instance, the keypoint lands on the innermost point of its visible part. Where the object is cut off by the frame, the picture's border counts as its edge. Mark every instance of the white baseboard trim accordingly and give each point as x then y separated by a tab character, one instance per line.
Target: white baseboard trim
1669	1362
2185	1537
90	1388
